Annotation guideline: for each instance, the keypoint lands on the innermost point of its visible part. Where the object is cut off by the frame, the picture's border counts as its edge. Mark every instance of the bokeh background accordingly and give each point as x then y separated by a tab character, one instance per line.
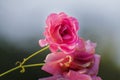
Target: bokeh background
22	24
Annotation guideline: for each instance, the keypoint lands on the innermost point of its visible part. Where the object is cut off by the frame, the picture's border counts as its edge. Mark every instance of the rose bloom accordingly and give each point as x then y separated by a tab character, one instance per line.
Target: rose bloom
82	65
65	67
61	32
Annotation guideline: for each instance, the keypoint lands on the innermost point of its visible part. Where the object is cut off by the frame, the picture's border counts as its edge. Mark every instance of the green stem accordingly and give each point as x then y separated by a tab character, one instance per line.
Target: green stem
29	57
34	65
13	69
21	64
26	59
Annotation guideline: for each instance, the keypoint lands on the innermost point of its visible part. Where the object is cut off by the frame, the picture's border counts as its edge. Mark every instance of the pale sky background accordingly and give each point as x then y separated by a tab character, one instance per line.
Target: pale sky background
21	20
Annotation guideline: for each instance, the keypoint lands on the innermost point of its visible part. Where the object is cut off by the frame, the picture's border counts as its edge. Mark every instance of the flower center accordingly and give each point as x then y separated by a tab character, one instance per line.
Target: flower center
65	63
68	63
65	32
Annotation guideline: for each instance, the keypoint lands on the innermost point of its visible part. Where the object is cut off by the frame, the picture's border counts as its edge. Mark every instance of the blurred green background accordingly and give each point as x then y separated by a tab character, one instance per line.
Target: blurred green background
22	24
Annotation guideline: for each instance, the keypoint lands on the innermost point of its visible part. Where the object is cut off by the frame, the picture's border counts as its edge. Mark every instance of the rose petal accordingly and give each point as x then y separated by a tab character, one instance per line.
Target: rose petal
52	68
95	68
90	47
52	63
72	75
51	19
53	47
54	56
42	42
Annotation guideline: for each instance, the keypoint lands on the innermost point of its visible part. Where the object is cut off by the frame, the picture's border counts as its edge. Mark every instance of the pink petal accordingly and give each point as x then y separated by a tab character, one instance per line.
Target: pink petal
62	14
42	42
52	68
51	19
68	49
85	57
54	56
75	23
95	68
73	75
90	47
56	35
53	47
52	63
66	37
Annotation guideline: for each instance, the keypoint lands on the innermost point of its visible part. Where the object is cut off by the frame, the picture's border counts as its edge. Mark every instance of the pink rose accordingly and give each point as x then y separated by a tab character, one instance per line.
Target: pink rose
61	32
66	67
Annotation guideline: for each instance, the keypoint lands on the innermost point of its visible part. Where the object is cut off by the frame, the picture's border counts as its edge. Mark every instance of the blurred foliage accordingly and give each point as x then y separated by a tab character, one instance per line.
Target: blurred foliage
108	69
